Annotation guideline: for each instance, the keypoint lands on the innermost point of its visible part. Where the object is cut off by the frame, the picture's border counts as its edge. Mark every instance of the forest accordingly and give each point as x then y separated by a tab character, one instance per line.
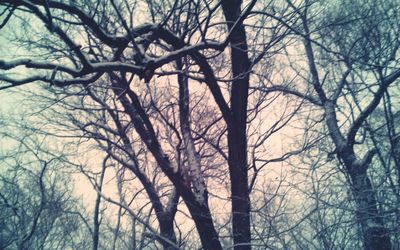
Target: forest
200	124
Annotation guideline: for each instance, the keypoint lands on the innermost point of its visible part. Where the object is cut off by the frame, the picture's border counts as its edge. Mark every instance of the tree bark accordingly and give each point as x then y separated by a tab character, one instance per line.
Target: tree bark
194	174
237	141
167	230
375	235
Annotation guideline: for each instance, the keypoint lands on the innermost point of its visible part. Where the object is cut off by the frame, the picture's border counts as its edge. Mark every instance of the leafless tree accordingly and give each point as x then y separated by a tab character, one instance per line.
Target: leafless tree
37	210
351	51
185	97
123	50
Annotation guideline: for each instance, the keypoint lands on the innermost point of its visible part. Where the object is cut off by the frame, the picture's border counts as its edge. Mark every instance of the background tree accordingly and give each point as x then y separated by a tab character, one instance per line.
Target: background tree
349	78
37	210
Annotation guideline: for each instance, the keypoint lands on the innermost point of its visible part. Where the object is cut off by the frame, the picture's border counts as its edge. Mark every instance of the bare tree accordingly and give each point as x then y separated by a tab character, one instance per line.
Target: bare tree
118	48
37	209
351	57
184	99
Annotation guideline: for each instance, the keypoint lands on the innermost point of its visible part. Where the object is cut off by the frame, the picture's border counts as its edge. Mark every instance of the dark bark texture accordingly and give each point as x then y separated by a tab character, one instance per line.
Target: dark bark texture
237	141
375	235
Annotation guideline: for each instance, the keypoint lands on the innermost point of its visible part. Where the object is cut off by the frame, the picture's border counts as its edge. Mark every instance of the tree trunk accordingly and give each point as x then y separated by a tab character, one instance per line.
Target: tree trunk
167	231
204	224
96	215
237	141
375	235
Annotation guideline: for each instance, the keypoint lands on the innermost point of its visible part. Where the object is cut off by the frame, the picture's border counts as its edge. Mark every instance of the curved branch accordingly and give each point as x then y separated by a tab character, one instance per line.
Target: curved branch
385	83
288	90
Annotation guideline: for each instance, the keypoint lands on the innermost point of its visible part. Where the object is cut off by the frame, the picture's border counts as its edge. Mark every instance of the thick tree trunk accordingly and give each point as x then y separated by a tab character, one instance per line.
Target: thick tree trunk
375	235
237	141
204	224
167	231
165	218
239	190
